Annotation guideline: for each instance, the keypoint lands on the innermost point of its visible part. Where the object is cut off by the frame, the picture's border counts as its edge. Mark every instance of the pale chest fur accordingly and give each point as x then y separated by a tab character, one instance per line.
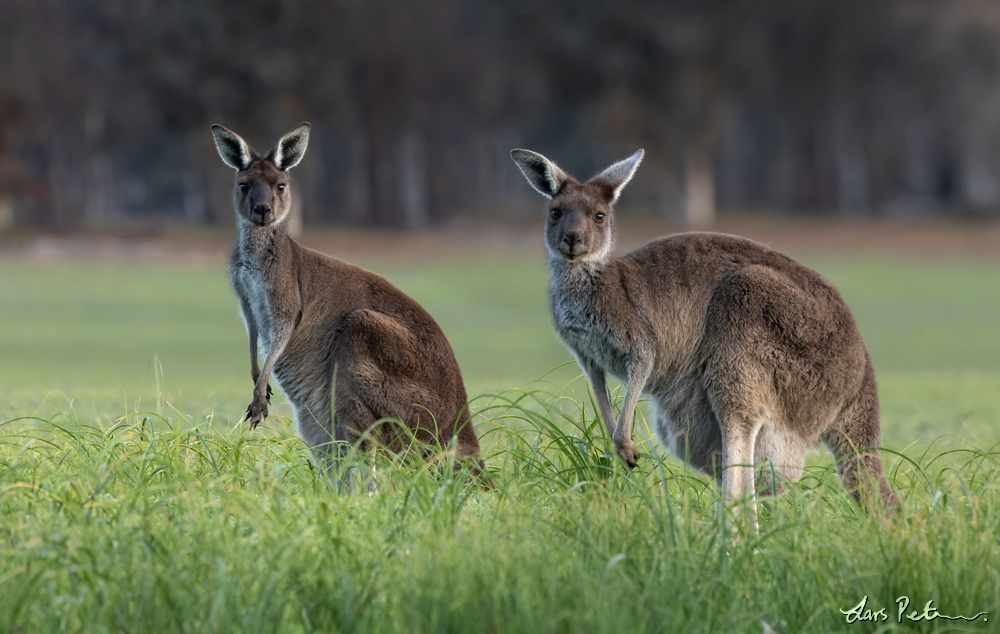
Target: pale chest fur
253	293
580	326
250	283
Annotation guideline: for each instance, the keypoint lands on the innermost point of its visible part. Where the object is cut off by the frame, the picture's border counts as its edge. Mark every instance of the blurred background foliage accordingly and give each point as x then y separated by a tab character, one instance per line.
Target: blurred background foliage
854	107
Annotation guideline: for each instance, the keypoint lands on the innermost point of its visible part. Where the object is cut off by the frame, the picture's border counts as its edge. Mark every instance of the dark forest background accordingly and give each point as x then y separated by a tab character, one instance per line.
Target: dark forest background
860	107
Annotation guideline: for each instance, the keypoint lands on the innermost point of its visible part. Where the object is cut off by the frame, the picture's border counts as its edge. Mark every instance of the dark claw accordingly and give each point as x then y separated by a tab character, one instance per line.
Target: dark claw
249	416
269	393
631	461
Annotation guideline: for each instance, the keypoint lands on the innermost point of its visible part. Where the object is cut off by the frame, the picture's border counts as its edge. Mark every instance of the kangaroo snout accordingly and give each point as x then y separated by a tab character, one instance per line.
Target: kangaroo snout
570	234
572	244
262	215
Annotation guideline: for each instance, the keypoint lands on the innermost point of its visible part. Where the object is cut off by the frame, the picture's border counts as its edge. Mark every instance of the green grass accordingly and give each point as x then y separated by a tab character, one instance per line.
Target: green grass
134	501
91	332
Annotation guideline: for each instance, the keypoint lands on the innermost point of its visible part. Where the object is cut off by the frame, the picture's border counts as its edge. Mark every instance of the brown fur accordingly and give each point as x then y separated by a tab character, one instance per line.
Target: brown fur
326	325
749	358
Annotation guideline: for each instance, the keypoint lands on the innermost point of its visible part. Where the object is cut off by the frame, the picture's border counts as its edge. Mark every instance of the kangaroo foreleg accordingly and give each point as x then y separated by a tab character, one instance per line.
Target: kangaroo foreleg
599	385
255	363
639	372
257	410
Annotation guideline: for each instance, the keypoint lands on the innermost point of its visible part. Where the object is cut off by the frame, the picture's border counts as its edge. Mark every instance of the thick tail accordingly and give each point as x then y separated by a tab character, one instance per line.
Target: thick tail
851	439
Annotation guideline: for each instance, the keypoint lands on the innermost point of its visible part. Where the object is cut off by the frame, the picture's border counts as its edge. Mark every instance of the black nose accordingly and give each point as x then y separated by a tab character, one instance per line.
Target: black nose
262	214
572	239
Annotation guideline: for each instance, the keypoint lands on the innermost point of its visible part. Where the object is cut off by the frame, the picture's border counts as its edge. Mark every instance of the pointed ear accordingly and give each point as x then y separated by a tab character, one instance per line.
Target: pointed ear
234	151
291	148
542	174
619	174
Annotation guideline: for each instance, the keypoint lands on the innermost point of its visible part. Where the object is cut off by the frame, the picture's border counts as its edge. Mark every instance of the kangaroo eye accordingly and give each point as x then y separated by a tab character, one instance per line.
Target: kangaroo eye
281	188
556	214
598	218
244	186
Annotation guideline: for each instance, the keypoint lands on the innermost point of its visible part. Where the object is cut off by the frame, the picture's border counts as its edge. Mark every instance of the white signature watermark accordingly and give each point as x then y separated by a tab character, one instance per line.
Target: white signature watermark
861	612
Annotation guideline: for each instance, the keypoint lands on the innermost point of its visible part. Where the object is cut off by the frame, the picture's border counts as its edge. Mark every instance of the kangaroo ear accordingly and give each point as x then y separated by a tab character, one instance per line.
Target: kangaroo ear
542	174
234	151
291	148
619	174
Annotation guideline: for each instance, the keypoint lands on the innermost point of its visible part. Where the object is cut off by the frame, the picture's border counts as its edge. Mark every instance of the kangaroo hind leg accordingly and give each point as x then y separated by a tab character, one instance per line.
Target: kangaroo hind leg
853	438
778	455
380	378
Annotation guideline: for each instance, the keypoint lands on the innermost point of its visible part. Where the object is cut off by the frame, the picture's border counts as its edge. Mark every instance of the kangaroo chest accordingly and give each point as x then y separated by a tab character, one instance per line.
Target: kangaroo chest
581	328
252	290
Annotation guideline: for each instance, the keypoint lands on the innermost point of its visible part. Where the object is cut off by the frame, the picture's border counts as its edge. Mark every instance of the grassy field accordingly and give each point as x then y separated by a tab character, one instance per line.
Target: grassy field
132	500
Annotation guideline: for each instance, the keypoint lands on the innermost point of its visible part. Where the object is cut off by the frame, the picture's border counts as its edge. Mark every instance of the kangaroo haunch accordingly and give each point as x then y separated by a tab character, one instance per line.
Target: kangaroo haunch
326	325
750	358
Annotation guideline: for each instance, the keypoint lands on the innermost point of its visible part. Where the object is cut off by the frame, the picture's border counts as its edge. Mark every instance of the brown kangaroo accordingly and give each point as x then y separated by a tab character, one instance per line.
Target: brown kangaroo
328	325
749	358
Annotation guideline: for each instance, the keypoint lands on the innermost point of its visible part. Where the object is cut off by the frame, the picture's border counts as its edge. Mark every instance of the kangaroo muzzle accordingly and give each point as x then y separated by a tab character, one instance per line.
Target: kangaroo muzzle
571	244
262	215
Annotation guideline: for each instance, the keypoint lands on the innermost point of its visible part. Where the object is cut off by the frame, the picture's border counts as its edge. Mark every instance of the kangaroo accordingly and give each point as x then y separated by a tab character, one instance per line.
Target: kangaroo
326	325
749	358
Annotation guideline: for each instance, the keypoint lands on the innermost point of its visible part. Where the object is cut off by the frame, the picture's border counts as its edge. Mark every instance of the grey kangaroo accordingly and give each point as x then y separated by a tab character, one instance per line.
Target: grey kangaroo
749	358
326	325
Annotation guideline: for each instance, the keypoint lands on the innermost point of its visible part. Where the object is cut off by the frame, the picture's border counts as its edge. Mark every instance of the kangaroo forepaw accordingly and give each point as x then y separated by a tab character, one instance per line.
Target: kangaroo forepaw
629	455
256	412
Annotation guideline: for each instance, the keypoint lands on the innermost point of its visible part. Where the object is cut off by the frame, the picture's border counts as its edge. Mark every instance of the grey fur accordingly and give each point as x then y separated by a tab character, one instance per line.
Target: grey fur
329	326
749	357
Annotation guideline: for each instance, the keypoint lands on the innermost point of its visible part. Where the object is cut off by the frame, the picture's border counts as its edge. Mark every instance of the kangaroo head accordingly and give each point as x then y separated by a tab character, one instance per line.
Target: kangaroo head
580	222
262	196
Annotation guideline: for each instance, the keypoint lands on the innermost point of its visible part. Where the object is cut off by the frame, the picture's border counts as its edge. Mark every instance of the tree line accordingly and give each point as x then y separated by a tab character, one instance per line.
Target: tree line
863	107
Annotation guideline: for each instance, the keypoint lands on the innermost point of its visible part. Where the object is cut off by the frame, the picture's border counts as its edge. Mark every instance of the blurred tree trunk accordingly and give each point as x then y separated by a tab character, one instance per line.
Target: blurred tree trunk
699	172
699	186
195	189
412	179
100	200
850	161
385	205
295	215
359	179
66	186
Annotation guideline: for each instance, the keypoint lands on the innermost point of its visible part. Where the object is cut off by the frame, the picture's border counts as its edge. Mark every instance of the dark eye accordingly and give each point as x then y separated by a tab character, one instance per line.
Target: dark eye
556	214
244	186
281	188
598	218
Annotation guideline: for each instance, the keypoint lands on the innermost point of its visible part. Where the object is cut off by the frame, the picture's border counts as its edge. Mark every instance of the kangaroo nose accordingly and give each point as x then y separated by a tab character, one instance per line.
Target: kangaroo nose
262	214
572	239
